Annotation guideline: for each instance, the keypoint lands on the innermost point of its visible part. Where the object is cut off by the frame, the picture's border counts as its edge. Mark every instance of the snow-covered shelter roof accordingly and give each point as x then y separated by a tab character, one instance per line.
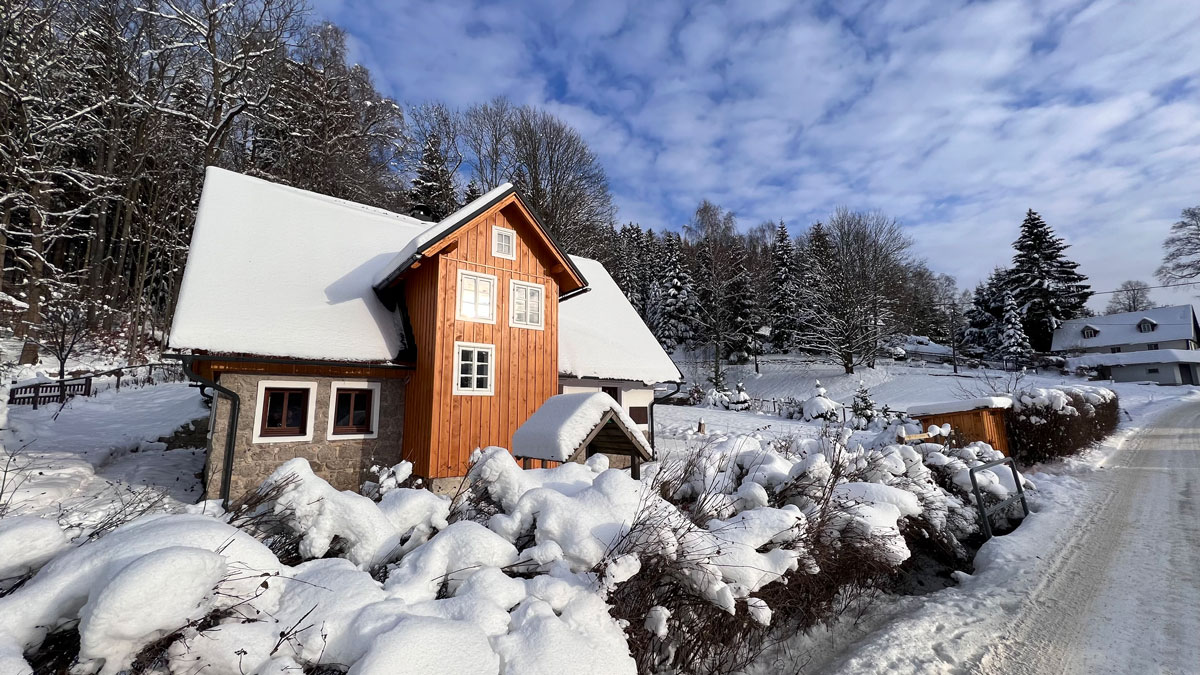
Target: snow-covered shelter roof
277	271
984	403
1138	358
1171	323
600	335
566	422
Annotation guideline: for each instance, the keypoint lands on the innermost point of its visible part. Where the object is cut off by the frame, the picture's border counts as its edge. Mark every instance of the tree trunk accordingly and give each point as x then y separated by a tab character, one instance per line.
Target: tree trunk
33	280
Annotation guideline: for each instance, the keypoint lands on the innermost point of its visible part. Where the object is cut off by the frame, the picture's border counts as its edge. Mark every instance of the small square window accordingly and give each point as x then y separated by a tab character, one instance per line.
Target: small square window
476	297
640	414
475	374
352	411
285	412
1152	371
1115	350
504	243
528	303
1152	346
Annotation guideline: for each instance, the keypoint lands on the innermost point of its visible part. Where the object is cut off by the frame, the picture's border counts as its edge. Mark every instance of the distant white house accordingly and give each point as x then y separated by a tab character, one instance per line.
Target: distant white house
1155	345
1158	328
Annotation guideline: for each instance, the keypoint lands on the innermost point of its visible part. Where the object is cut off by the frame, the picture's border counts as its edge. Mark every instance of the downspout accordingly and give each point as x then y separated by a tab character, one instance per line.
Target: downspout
678	386
235	406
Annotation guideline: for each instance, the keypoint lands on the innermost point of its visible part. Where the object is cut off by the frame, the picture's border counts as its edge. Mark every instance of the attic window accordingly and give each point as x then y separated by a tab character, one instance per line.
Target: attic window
1089	332
1146	326
504	243
528	302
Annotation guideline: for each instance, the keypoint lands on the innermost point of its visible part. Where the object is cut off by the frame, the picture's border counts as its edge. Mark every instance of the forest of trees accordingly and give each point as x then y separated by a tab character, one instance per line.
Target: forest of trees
110	111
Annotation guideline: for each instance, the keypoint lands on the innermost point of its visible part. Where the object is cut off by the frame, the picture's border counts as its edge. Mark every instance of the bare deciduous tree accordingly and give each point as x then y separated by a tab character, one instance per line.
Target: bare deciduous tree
1131	296
1181	250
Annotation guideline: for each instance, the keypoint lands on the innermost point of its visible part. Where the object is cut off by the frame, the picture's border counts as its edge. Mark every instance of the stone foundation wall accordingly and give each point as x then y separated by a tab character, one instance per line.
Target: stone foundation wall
345	463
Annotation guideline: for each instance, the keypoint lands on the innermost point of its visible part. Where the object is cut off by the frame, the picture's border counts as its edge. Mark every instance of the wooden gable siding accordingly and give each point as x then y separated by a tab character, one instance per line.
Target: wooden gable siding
526	360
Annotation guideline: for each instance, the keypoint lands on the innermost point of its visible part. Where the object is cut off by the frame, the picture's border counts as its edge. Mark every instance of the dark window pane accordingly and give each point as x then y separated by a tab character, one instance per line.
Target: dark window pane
465	356
296	409
275	408
464	382
481	383
360	418
481	356
481	370
464	369
341	416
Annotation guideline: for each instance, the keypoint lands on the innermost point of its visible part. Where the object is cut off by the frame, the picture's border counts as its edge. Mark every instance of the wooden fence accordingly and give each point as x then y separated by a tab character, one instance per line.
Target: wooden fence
58	391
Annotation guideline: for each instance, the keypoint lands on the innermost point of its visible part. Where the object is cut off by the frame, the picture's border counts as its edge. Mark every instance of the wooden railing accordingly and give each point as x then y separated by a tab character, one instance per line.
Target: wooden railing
58	391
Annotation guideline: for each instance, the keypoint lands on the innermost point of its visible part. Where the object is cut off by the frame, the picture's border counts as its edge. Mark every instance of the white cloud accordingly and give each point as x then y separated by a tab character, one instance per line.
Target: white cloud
955	119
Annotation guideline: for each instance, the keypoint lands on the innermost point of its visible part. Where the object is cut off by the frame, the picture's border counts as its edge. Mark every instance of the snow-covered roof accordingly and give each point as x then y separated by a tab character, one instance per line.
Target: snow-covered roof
560	426
277	271
1171	323
436	231
600	335
1138	358
985	402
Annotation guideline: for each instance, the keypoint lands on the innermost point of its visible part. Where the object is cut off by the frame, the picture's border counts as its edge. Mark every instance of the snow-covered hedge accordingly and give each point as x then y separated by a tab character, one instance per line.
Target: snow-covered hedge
573	569
1055	422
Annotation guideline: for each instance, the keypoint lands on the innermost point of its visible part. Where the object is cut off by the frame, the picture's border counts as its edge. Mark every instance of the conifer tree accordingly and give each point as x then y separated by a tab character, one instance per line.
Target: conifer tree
744	313
677	317
986	315
472	191
628	269
1044	282
433	195
1014	345
784	301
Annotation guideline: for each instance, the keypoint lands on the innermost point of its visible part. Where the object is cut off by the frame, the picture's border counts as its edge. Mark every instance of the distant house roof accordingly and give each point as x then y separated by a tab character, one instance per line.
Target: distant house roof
1138	358
600	335
1171	323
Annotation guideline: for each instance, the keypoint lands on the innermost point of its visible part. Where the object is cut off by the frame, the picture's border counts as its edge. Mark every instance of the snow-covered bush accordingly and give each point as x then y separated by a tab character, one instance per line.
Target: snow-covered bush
820	406
578	568
1046	423
739	400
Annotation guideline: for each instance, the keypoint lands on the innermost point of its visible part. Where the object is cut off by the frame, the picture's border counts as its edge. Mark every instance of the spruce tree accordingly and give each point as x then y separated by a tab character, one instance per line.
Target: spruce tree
1047	288
433	195
628	269
784	302
986	315
677	316
472	191
815	256
1014	345
745	316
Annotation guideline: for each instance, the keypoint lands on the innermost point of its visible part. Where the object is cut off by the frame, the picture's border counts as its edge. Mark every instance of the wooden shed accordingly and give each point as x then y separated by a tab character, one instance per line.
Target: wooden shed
573	427
980	419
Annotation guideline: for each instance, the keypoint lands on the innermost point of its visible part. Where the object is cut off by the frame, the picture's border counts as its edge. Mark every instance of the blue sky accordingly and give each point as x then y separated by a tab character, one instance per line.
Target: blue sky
953	117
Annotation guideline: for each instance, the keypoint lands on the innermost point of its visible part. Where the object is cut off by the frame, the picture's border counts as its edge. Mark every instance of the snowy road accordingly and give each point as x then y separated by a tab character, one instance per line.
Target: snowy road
1122	594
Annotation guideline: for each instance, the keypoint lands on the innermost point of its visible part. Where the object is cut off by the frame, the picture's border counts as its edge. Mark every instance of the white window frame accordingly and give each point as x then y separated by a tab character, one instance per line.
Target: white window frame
458	295
472	391
350	384
1089	333
1146	326
513	285
497	230
263	386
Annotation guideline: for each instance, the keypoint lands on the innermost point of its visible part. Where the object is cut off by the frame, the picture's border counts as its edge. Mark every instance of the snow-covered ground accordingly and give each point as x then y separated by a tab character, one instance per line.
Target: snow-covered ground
98	454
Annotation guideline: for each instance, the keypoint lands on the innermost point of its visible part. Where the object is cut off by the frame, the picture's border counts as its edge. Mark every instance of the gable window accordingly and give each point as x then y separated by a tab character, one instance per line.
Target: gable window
504	242
528	304
476	297
285	411
353	410
474	368
1146	326
1089	333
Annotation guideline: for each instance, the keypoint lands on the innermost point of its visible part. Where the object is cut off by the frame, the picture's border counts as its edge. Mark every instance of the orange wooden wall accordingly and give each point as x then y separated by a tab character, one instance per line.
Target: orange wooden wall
974	425
441	428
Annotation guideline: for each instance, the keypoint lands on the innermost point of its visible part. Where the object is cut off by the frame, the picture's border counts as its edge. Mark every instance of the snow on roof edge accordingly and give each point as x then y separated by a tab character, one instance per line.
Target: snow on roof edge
560	425
983	403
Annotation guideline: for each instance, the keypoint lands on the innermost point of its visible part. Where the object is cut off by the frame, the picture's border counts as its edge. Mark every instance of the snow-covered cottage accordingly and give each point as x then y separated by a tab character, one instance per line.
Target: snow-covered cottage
356	337
1159	328
1154	345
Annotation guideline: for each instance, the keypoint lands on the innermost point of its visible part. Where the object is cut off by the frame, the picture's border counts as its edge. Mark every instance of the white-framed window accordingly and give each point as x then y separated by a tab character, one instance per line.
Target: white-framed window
504	242
476	297
474	369
353	410
1089	333
283	411
1147	326
527	305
